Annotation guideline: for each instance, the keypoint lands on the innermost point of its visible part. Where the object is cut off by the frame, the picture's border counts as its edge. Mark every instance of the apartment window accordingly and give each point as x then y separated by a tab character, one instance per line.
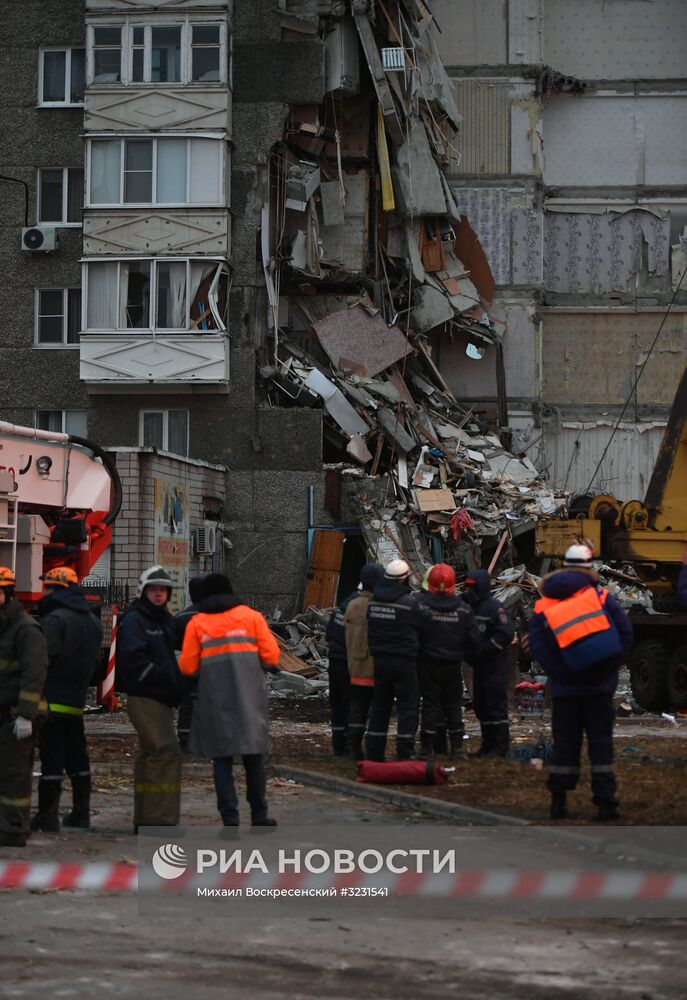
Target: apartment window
165	429
205	52
154	295
107	55
183	52
62	421
60	195
58	316
183	171
61	77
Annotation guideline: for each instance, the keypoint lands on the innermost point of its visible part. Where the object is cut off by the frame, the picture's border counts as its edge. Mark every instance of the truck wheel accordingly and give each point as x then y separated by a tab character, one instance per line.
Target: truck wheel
677	678
648	665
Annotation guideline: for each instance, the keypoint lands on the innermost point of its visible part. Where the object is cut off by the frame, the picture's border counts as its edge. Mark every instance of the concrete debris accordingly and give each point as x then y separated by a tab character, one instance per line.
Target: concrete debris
368	253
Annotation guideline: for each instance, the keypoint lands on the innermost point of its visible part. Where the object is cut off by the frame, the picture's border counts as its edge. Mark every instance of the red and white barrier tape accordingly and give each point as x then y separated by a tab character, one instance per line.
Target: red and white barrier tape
506	884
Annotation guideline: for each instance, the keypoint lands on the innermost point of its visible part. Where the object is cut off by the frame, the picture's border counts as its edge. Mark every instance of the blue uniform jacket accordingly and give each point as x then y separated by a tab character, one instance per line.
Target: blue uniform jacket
602	678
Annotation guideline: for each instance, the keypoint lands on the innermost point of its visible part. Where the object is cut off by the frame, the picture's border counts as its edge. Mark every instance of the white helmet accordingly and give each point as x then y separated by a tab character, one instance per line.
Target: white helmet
579	555
398	569
154	575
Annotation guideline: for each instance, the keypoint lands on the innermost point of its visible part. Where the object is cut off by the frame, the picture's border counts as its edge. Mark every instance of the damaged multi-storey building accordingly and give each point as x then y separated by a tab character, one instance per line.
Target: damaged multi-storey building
343	279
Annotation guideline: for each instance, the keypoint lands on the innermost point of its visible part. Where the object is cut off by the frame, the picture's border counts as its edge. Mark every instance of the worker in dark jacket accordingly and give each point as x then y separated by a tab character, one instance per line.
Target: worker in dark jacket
181	620
339	679
491	663
361	668
447	639
74	637
23	666
147	671
394	623
581	636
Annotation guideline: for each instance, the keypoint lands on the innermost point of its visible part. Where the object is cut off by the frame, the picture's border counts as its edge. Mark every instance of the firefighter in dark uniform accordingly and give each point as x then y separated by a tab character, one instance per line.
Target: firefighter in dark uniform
581	636
74	637
23	666
339	678
491	663
446	641
394	623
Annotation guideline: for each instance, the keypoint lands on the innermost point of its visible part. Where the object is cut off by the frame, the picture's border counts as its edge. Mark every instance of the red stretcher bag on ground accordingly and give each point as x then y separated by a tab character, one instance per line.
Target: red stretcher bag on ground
401	772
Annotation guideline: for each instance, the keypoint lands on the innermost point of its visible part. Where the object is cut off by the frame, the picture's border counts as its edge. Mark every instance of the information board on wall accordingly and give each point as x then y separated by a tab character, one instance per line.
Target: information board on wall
172	536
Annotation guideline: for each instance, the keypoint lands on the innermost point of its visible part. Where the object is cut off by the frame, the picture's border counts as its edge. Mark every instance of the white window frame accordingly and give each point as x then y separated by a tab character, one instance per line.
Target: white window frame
186	60
220	263
165	428
67	76
65	197
63	413
90	55
155	139
64	345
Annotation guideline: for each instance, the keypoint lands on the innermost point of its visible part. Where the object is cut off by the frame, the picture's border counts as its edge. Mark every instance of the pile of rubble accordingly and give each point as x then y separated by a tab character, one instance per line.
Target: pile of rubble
367	250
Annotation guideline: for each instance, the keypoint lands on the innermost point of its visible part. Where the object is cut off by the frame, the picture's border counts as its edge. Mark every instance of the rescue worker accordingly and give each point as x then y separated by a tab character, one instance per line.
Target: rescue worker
74	637
230	646
447	639
682	585
581	637
491	663
23	666
339	679
394	623
147	672
181	620
361	668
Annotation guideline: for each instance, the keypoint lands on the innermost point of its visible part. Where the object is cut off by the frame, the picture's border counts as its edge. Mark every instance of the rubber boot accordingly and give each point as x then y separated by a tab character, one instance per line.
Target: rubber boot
558	808
47	818
427	743
456	748
80	816
340	743
375	747
12	839
608	811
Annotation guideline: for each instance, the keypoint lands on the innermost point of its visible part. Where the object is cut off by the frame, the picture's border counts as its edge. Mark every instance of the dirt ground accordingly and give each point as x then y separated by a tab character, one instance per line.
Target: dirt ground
650	754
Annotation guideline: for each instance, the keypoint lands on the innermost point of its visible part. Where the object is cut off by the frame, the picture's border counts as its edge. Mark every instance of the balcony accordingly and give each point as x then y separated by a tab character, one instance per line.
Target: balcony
170	362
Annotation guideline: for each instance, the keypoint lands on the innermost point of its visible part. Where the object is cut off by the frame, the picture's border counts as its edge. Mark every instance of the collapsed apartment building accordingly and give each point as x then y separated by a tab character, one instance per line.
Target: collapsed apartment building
420	252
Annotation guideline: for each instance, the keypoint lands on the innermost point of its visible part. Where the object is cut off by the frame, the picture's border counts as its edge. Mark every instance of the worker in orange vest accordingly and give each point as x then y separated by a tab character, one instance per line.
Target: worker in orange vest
230	647
581	636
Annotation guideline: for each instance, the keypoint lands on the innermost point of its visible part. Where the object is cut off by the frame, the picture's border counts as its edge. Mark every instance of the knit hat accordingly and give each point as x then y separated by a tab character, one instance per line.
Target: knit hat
215	583
370	575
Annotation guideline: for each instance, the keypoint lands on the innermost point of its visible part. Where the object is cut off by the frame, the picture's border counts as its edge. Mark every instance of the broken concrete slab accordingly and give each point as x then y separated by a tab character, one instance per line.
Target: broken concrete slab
432	308
417	176
336	404
367	340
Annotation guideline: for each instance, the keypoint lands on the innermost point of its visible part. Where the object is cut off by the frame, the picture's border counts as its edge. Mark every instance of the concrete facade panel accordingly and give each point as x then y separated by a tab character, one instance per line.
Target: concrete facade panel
114	109
593	358
478	37
161	231
619	41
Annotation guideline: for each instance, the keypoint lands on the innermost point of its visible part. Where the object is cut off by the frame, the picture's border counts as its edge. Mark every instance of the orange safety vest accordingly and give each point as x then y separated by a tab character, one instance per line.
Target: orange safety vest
575	617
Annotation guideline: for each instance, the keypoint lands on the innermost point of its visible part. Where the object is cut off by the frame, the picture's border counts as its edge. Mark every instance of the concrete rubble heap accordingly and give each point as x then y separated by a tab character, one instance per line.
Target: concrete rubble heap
364	253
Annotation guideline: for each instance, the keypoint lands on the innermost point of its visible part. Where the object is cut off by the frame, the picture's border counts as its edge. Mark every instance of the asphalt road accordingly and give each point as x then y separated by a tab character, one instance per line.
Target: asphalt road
87	944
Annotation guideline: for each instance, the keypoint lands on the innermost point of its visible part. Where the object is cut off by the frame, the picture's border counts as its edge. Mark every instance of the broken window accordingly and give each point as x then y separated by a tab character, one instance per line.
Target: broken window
155	171
154	295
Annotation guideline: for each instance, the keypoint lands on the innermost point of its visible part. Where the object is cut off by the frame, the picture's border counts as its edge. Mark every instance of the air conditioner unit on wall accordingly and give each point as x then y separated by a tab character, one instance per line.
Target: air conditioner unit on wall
206	539
38	240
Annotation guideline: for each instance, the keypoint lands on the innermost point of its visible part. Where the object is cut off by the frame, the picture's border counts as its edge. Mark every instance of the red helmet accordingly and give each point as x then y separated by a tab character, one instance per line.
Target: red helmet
441	579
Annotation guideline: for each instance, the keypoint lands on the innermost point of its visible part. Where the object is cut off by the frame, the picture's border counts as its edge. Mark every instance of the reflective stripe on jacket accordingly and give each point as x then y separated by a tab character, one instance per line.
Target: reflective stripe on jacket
227	648
575	617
